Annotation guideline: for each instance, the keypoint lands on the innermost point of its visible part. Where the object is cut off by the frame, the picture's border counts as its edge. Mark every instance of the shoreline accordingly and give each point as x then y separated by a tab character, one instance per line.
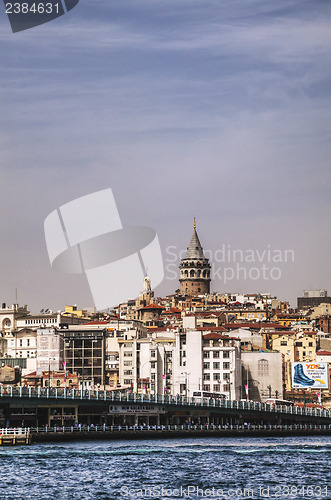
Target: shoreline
166	434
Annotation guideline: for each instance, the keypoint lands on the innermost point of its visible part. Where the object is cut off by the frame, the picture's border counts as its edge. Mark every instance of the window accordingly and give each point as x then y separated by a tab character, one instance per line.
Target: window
298	344
206	354
58	383
283	342
263	367
127	363
153	364
127	372
28	342
206	388
226	376
21	342
206	366
226	366
310	353
216	354
217	387
127	354
226	354
216	376
206	376
310	344
153	354
216	366
127	381
226	387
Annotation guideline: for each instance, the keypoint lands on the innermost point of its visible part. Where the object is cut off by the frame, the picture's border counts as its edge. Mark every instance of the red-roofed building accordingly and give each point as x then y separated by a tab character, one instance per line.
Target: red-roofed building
150	315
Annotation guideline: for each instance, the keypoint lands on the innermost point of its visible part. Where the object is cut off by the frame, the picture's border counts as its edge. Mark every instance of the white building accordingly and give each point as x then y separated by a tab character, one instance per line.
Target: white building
22	345
209	362
49	350
10	316
246	336
145	364
262	373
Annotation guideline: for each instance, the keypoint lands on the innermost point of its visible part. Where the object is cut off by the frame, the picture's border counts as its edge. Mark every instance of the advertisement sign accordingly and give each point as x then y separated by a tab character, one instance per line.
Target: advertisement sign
141	409
310	374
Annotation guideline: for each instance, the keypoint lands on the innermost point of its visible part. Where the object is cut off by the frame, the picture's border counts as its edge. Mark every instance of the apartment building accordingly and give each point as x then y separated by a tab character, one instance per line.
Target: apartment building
207	361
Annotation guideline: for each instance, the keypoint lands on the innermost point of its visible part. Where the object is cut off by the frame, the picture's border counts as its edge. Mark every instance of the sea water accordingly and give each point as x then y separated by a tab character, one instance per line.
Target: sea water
236	468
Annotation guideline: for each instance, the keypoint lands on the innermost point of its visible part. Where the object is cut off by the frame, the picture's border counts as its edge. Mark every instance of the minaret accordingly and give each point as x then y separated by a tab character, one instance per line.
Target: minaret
194	269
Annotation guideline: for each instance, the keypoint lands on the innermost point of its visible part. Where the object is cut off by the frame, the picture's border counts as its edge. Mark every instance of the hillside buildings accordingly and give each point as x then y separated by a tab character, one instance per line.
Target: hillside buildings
232	344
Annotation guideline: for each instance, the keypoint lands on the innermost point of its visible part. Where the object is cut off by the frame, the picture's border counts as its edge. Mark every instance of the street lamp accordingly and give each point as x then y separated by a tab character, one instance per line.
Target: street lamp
49	371
92	368
83	355
186	381
142	378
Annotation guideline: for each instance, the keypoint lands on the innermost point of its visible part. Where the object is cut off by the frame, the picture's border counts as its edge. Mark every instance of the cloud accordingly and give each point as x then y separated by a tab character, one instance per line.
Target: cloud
213	109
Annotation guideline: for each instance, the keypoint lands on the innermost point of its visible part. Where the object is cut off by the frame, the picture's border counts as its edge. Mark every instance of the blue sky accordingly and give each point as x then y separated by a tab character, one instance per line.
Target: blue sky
213	109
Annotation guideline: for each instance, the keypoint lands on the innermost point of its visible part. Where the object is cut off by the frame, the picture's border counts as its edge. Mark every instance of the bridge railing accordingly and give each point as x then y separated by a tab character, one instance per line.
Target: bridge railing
118	397
14	430
161	428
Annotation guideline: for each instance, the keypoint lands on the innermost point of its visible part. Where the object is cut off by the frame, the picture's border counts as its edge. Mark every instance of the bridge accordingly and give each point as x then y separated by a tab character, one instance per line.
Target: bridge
58	408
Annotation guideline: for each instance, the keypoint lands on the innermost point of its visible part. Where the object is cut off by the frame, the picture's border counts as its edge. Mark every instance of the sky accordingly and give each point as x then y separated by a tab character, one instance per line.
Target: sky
200	108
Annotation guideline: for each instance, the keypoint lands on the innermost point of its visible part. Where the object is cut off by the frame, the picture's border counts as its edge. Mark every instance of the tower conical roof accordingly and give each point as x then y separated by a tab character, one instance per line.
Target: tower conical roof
194	250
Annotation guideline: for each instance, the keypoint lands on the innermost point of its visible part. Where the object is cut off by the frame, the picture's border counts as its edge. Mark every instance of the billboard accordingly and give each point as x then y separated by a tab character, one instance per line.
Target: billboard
143	410
313	375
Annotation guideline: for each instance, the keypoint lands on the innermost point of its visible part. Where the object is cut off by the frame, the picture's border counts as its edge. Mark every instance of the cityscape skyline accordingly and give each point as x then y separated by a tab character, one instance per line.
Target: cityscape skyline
165	248
241	261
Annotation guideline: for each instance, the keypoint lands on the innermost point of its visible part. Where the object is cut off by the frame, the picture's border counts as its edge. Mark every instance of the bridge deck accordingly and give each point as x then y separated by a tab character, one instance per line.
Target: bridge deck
169	402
